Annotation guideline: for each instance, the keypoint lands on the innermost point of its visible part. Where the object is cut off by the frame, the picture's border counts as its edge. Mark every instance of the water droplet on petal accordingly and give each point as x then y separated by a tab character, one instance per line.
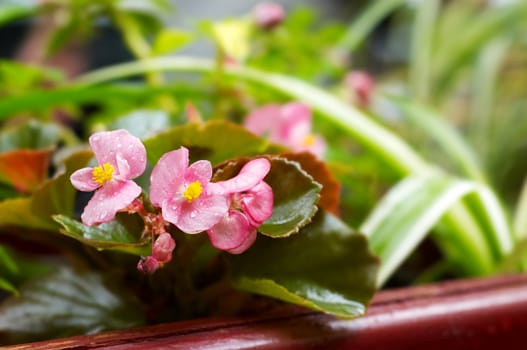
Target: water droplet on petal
193	214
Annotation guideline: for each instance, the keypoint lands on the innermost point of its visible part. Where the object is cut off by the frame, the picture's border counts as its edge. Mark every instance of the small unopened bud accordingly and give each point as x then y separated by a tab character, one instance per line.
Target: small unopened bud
148	265
163	247
361	84
268	15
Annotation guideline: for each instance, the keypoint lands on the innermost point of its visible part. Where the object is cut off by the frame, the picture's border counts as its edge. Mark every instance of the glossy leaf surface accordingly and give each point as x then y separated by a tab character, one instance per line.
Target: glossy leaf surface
308	268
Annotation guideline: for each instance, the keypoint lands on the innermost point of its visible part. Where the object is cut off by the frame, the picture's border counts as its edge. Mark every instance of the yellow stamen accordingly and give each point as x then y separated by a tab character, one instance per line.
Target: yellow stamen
193	191
102	173
309	140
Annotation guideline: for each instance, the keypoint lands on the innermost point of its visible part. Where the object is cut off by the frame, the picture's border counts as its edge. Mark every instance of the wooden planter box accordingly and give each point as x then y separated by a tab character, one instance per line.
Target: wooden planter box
468	314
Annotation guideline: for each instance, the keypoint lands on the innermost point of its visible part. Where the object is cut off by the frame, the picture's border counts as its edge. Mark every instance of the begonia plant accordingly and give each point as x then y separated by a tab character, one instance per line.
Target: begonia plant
281	170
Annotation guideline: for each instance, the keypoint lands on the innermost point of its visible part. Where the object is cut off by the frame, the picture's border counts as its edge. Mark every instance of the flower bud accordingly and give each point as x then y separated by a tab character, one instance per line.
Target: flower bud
361	84
268	15
148	265
163	247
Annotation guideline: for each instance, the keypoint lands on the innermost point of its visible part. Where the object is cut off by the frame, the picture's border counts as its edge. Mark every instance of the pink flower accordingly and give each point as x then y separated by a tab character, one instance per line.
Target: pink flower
185	194
121	157
268	15
251	204
289	125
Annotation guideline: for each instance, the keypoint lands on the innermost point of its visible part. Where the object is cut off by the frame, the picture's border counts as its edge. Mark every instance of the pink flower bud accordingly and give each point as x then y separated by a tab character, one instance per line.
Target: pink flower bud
148	265
268	15
163	247
361	84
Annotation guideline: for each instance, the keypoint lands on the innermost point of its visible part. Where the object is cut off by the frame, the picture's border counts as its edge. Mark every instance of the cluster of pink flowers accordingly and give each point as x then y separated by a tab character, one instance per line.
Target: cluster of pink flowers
228	211
288	124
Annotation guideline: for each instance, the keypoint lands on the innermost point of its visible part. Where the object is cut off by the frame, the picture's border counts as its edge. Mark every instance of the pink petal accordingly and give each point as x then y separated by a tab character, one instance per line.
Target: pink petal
107	144
82	180
163	247
108	200
168	176
296	112
123	168
297	123
202	213
232	232
251	174
171	209
318	148
264	121
246	244
200	171
258	203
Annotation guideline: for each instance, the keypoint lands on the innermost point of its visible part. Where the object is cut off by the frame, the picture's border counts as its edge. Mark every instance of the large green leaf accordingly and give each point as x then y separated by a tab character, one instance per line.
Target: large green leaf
54	196
217	141
326	267
409	211
65	303
123	234
295	192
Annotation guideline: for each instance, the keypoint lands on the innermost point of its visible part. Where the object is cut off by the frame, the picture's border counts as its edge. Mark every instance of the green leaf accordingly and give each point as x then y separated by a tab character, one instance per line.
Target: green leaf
122	234
55	196
66	303
448	138
38	100
8	266
296	194
7	263
31	135
409	211
142	123
16	9
451	56
17	212
7	286
367	21
168	40
216	141
326	267
295	197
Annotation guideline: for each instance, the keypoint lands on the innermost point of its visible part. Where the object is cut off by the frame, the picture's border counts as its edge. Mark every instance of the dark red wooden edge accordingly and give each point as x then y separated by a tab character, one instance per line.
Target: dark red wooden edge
468	314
